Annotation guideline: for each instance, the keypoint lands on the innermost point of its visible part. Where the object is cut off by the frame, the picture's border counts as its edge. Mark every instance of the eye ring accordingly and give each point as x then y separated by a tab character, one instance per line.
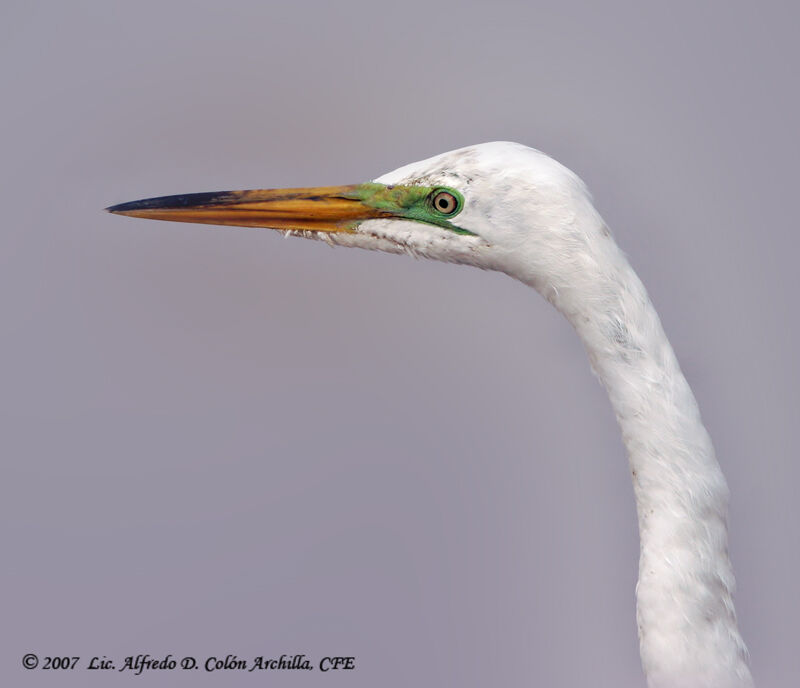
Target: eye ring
444	202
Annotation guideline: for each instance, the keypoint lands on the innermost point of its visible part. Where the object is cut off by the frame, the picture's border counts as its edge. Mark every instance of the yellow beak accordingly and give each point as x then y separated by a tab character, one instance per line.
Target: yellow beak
319	209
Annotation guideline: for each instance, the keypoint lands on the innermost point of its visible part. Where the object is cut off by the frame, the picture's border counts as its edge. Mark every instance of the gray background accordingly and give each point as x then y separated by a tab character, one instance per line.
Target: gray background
215	440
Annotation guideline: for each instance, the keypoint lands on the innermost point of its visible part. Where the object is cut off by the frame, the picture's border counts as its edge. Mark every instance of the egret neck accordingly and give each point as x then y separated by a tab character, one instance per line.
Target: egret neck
688	633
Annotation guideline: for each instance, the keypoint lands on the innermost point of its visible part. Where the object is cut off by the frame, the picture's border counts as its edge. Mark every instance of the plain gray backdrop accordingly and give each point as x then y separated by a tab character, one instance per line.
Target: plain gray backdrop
218	440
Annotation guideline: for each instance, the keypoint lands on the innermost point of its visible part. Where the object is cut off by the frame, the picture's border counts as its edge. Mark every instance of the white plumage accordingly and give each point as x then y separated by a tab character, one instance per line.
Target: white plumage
534	220
524	214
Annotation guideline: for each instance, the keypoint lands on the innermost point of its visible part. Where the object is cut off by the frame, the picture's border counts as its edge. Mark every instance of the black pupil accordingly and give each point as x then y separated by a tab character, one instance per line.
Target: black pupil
444	202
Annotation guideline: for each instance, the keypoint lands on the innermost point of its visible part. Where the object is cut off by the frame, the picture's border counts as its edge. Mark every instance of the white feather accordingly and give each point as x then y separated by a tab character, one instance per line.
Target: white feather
534	220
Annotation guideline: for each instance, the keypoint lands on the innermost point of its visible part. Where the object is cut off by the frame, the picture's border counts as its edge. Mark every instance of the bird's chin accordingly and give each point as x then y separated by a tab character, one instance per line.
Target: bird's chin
416	239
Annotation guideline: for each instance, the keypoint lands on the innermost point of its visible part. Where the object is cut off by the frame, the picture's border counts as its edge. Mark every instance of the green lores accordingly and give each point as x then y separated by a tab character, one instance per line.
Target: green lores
434	205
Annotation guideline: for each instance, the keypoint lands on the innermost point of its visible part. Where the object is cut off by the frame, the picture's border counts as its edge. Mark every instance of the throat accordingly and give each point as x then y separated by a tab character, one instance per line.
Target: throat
687	624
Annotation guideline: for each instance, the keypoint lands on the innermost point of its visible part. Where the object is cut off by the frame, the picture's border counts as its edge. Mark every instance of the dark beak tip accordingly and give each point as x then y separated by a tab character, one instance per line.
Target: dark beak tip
192	200
122	208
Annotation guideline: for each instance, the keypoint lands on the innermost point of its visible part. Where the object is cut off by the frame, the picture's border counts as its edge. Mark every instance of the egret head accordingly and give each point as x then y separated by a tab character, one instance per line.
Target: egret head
500	206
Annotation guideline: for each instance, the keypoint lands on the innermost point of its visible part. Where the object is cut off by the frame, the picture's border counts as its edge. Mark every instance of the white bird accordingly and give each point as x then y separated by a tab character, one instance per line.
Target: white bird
506	207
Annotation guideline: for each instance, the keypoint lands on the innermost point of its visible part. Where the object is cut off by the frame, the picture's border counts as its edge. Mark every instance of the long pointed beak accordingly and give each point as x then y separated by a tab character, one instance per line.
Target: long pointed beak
320	209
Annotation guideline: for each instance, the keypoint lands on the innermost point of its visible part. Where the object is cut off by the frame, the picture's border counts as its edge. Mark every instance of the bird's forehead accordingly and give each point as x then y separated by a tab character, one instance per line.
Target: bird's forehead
449	169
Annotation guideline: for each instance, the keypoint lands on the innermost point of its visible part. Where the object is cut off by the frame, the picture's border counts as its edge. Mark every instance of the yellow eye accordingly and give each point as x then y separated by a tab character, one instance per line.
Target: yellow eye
445	203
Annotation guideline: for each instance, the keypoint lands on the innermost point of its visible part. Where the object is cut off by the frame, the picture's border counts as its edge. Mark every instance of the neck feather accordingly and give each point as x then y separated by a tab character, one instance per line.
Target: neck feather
687	624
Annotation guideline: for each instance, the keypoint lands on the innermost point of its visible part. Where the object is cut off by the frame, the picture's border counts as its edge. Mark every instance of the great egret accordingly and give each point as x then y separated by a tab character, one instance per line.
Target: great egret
503	206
